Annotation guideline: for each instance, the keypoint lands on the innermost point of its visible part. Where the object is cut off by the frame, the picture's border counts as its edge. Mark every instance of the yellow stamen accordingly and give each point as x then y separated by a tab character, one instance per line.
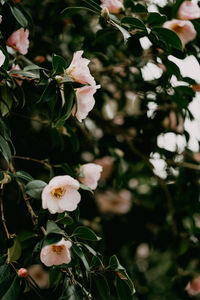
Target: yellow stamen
57	248
58	192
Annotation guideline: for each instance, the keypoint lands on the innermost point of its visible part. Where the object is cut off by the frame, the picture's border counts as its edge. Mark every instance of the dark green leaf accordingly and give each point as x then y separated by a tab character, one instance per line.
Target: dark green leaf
78	251
49	93
23	175
136	8
133	22
59	64
125	33
96	263
169	37
52	227
5	149
15	250
156	19
14	290
19	16
34	188
102	286
85	233
123	290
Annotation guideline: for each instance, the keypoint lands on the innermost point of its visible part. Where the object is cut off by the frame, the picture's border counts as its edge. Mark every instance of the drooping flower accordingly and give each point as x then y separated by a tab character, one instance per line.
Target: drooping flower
113	202
18	40
39	275
184	29
61	194
79	71
114	6
91	174
107	164
2	58
193	286
85	101
189	10
56	254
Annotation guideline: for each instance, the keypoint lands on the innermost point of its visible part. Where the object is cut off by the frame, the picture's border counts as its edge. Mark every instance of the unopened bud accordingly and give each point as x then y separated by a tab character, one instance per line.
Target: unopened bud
105	13
22	272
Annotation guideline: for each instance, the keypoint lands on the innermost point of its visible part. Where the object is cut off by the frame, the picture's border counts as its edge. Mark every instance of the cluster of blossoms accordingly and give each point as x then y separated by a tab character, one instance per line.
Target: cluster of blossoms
61	194
79	72
184	28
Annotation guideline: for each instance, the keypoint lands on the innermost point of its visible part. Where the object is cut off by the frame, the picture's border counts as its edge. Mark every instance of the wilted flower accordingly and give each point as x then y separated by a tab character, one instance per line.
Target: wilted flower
184	29
107	164
85	101
189	10
18	78
22	272
113	202
78	69
61	194
18	40
39	275
56	254
2	58
114	6
193	286
91	174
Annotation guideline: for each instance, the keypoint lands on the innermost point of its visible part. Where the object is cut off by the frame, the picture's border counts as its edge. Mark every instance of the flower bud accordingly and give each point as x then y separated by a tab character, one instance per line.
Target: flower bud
22	272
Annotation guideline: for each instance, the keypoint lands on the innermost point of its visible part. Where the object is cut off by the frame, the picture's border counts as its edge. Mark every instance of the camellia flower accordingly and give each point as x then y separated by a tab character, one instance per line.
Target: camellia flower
18	40
193	286
112	202
39	275
2	58
189	10
91	174
79	71
114	6
184	29
85	101
61	194
56	254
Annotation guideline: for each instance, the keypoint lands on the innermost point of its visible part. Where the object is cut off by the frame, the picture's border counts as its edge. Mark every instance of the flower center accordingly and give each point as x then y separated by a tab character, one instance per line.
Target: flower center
58	192
57	248
177	28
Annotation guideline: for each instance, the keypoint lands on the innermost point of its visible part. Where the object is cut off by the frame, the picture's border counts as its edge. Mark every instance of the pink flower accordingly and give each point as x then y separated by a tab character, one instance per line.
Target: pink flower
61	194
107	164
114	6
18	40
113	202
189	10
39	275
85	101
78	69
184	29
2	58
56	254
193	287
91	174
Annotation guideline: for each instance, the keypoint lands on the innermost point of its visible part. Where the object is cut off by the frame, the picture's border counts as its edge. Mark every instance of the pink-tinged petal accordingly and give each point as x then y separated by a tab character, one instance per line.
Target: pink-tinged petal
64	180
70	200
184	29
114	6
85	101
189	10
91	175
2	58
18	40
78	69
48	201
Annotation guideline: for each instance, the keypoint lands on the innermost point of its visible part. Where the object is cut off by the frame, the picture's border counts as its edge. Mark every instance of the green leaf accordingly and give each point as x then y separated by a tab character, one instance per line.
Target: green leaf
51	238
15	250
23	175
123	290
6	101
66	220
5	149
114	263
133	22
34	188
85	233
102	286
125	33
136	8
96	263
172	69
59	64
52	227
30	74
78	251
155	18
86	188
55	276
6	278
54	233
49	93
169	37
19	16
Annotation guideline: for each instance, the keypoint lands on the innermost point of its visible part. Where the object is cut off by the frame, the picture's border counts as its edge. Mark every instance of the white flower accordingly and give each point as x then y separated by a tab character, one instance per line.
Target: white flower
91	175
56	254
2	58
61	194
